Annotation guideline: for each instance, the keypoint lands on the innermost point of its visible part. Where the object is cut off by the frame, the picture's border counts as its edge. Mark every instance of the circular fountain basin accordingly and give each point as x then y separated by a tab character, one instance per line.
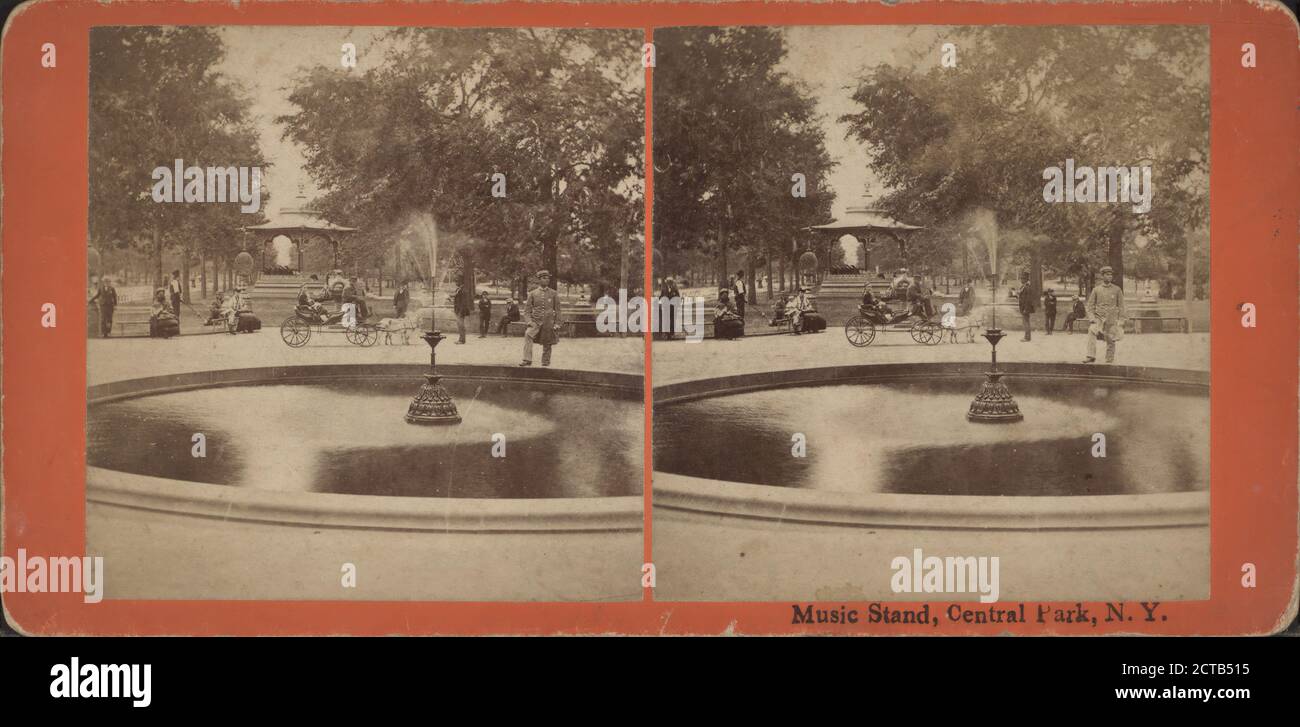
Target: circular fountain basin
891	461
326	448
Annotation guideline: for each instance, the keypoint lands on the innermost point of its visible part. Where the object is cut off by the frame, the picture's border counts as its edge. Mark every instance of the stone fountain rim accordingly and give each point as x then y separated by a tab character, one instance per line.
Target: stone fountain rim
795	506
628	385
684	391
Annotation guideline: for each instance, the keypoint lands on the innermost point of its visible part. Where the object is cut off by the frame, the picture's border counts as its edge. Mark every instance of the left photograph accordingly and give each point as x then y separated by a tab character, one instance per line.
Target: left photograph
342	305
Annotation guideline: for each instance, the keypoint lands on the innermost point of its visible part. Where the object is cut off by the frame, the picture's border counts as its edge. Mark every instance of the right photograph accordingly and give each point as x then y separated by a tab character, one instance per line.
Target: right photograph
956	339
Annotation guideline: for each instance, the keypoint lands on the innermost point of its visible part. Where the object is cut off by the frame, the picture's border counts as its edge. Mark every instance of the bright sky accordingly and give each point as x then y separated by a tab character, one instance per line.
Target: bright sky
264	60
830	59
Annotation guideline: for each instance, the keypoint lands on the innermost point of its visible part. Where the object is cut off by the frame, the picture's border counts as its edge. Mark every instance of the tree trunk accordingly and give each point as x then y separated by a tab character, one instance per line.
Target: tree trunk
769	277
1036	271
780	273
751	290
724	274
157	259
622	276
1188	279
185	275
203	274
1115	251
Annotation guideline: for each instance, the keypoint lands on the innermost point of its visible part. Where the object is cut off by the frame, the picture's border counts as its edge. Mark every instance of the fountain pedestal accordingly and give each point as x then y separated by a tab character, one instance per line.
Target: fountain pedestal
432	404
994	402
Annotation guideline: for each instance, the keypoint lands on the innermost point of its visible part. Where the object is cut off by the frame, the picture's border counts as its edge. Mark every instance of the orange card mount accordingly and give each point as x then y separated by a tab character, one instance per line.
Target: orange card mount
351	177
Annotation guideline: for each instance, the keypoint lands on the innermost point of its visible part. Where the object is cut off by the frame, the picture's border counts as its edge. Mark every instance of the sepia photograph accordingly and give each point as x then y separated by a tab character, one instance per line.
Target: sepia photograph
957	344
342	295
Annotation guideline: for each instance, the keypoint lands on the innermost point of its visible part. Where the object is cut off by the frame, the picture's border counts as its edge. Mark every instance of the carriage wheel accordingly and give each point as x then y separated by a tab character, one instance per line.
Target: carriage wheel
295	331
859	331
926	332
364	334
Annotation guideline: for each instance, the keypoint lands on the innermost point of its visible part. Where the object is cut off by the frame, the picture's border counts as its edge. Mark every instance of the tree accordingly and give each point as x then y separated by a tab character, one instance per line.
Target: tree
557	113
156	96
731	131
949	141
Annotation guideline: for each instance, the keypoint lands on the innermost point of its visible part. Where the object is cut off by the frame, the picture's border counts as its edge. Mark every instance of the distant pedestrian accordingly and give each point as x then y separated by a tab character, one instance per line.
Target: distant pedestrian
174	289
667	290
401	299
462	307
1049	309
106	299
966	299
484	314
1025	298
740	293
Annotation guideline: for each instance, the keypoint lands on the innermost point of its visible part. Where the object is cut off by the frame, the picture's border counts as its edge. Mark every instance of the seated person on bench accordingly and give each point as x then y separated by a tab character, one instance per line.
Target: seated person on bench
779	313
727	324
801	307
162	321
214	310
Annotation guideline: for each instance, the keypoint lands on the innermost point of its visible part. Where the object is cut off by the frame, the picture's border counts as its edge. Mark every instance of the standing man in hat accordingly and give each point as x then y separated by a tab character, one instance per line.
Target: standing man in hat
174	290
400	300
740	297
462	306
1049	310
1025	299
542	314
1105	308
484	314
107	297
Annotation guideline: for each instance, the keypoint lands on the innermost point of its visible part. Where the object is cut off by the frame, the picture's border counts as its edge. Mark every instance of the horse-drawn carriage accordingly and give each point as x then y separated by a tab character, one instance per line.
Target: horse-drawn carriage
298	328
895	310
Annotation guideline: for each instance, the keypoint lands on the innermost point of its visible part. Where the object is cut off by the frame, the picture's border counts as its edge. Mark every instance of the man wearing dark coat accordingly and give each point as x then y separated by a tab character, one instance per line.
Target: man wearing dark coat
463	307
1025	297
1049	309
106	296
542	314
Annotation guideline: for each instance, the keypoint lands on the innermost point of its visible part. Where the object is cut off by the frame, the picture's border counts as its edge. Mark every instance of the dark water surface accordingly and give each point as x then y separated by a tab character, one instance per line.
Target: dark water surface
914	438
350	438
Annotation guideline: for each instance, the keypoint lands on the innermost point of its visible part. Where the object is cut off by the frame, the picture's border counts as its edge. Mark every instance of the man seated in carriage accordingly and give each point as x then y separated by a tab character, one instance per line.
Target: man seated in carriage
311	304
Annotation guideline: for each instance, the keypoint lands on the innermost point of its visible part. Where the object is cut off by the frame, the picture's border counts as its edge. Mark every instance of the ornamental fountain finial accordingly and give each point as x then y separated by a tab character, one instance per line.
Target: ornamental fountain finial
432	404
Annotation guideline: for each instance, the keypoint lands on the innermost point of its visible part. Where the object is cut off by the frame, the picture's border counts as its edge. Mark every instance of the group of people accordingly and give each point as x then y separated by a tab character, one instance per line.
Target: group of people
464	305
230	307
349	292
912	290
1103	309
799	308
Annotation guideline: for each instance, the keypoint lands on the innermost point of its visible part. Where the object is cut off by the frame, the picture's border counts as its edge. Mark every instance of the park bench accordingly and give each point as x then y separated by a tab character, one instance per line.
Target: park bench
1139	324
126	329
1131	324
